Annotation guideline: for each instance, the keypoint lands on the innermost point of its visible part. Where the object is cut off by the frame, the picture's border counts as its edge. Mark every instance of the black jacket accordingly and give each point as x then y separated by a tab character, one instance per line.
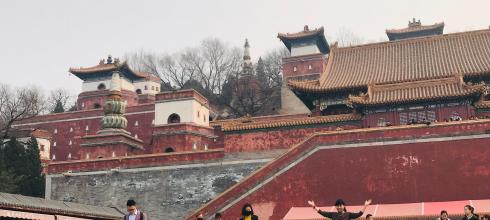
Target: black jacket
338	216
254	217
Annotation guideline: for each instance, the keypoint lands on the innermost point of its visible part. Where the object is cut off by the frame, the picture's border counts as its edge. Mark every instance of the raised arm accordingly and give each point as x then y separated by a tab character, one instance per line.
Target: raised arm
366	204
360	213
325	214
312	204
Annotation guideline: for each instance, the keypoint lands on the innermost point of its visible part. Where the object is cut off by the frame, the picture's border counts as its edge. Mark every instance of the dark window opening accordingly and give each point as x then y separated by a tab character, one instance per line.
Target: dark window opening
173	118
101	86
97	105
337	109
138	91
169	150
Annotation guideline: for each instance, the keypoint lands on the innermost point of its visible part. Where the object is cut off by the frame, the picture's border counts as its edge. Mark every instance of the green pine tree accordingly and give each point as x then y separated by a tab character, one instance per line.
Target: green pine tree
23	165
261	74
9	182
13	162
35	181
58	108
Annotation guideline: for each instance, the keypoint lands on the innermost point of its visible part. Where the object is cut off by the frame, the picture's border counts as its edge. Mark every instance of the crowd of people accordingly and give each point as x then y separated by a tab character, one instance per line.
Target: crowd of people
341	212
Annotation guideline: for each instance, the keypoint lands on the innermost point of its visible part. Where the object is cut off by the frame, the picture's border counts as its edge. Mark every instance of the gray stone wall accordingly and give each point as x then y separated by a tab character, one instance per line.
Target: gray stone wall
170	192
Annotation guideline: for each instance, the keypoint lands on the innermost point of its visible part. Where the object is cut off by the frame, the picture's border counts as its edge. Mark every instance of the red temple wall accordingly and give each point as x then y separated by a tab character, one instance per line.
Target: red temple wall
279	138
388	174
302	64
80	120
134	161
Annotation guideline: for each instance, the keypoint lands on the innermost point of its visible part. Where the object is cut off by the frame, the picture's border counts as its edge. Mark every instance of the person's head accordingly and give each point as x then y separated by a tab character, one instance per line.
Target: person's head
369	217
247	210
340	205
486	217
468	210
217	216
444	215
199	216
131	204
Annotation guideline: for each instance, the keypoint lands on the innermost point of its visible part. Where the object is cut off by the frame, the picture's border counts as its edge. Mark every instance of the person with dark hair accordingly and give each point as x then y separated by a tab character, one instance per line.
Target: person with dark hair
469	213
369	217
218	216
248	213
341	213
486	217
133	212
199	216
443	216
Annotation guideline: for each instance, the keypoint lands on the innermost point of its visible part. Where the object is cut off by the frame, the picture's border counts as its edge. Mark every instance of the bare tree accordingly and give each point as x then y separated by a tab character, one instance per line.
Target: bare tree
17	105
214	62
345	37
143	61
273	66
59	98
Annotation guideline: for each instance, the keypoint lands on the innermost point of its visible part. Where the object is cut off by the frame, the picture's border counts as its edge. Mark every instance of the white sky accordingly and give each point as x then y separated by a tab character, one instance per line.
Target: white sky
40	40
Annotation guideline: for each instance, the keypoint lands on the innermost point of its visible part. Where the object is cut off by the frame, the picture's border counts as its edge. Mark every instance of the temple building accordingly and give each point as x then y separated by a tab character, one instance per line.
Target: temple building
394	116
434	78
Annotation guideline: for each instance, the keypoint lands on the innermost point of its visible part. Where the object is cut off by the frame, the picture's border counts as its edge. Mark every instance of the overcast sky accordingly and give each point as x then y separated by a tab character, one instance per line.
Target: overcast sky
40	40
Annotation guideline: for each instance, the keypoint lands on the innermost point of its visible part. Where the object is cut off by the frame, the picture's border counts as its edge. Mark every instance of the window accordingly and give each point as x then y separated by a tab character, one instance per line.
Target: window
381	122
113	154
146	87
294	69
69	156
157	89
205	147
101	86
138	91
41	148
96	106
87	156
204	118
198	114
86	127
169	150
152	87
194	146
54	157
173	118
136	136
56	131
71	129
136	123
309	67
70	143
54	144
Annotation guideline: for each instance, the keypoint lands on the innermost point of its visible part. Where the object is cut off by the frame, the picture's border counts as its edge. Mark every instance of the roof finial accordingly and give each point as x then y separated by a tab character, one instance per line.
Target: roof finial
306	28
109	59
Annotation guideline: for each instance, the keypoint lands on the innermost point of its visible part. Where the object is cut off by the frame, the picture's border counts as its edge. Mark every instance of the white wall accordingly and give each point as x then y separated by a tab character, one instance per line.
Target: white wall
300	50
47	148
92	85
153	87
186	109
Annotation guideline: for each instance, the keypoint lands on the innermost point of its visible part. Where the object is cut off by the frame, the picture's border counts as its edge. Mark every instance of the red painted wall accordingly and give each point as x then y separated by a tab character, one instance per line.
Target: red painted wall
438	171
387	174
281	138
302	63
134	161
80	120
